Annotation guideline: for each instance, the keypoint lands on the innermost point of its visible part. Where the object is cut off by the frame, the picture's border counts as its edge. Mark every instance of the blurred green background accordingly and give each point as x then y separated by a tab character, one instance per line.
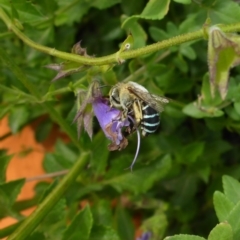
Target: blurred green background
170	190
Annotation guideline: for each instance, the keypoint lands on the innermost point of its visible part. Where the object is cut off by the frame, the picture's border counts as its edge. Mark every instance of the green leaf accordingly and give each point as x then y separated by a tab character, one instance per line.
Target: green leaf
222	205
57	213
4	110
99	157
231	188
184	237
237	107
4	160
194	111
152	225
187	51
18	117
103	233
189	24
132	7
157	34
204	173
185	187
48	6
102	4
44	37
124	224
44	189
138	33
166	80
183	1
207	99
43	130
80	227
224	11
232	113
181	63
37	236
141	180
73	11
8	195
234	220
27	11
222	231
9	191
62	149
52	163
191	152
223	53
54	223
223	65
102	213
155	9
63	158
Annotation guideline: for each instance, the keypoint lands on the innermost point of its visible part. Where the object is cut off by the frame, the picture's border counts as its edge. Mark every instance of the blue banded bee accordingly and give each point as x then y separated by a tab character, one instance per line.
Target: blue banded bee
150	120
136	101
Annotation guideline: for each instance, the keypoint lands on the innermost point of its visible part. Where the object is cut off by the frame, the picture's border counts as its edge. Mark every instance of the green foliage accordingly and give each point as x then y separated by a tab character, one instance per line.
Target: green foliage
4	160
227	206
80	227
185	237
8	195
18	117
223	53
222	231
175	185
124	224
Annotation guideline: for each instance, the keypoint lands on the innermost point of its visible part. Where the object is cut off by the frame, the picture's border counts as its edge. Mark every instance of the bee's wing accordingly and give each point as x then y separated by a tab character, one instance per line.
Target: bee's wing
157	102
154	101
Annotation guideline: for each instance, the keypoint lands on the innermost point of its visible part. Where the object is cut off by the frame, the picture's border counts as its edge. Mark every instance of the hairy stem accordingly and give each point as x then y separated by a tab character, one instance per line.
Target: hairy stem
113	57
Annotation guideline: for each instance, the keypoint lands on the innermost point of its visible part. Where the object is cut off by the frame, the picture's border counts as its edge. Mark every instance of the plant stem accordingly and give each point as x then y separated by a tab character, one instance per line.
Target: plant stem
49	202
113	57
64	89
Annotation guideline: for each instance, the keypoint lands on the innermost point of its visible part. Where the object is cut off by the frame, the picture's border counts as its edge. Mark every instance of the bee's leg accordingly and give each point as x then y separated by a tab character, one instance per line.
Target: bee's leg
137	109
124	114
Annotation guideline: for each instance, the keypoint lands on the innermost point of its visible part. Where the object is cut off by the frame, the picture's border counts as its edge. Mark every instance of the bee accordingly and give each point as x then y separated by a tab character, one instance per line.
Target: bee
136	101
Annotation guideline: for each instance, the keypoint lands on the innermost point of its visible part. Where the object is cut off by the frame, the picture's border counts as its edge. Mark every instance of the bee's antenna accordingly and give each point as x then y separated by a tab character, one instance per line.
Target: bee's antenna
105	86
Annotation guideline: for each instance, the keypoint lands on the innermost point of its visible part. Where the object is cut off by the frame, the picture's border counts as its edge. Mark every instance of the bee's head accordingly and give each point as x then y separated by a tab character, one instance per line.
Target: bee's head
114	97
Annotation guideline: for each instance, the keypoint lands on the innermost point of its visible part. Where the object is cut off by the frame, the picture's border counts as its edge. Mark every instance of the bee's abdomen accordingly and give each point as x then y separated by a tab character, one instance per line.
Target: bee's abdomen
150	120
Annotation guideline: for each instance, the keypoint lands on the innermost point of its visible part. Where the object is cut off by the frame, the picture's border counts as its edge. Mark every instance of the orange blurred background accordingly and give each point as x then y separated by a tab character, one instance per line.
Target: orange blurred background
30	165
25	165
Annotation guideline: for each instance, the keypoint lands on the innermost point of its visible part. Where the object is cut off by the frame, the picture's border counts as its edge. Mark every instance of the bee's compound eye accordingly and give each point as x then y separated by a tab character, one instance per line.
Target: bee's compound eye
114	96
127	46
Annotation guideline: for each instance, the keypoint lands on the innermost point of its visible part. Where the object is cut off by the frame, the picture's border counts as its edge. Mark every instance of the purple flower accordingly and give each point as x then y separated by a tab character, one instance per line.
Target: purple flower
111	123
110	119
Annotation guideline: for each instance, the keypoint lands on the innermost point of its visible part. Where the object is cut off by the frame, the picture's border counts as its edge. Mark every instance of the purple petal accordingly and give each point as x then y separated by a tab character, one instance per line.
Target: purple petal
104	113
109	120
